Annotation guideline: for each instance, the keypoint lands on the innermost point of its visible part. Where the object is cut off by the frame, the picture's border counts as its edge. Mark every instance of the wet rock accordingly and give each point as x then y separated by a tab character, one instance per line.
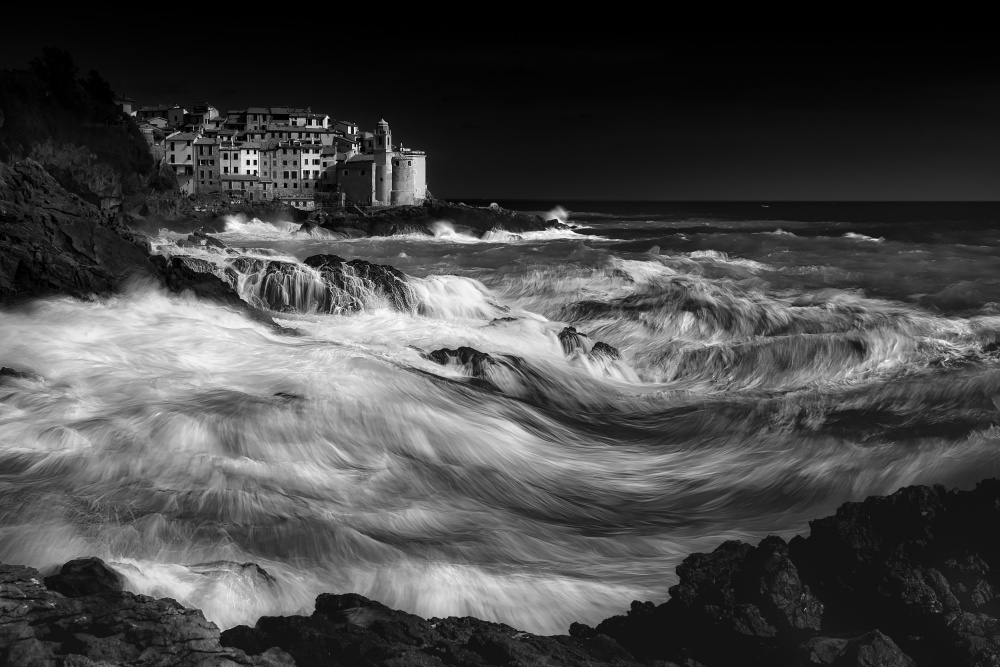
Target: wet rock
381	279
41	627
85	576
604	350
478	362
203	239
250	572
180	274
572	340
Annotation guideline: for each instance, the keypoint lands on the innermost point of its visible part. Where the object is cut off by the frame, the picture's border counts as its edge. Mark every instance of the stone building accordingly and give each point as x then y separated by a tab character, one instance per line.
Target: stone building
209	169
180	152
356	179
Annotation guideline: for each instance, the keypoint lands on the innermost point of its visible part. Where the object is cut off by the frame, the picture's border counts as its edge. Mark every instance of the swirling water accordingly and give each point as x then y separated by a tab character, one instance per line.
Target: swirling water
772	368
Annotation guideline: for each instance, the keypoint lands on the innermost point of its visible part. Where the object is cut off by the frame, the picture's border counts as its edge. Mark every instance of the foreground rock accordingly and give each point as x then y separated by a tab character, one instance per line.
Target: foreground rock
54	242
907	580
41	627
353	630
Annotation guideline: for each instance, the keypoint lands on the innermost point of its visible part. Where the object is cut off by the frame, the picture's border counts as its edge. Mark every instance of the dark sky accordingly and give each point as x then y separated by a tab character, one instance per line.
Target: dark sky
627	106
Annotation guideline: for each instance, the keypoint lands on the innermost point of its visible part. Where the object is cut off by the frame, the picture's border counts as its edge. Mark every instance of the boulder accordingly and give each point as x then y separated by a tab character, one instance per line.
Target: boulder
85	576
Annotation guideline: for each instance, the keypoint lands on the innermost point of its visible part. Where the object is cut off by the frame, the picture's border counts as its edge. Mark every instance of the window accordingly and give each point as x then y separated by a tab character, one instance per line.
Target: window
225	170
284	151
345	172
295	185
305	185
236	170
248	163
295	174
409	163
284	163
201	174
172	146
274	174
284	174
315	161
254	163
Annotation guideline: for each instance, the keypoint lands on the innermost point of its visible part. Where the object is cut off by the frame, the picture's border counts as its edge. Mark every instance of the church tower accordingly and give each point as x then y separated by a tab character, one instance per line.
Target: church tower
382	144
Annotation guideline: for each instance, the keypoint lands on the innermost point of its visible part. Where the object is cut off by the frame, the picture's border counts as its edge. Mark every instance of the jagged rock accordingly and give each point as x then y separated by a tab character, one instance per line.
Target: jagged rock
572	340
604	350
873	649
478	362
85	576
43	628
351	629
182	274
54	242
382	279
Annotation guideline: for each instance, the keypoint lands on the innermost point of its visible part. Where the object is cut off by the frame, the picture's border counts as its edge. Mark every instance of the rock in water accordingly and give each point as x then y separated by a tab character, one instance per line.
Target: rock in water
358	278
572	340
477	362
85	576
54	242
605	350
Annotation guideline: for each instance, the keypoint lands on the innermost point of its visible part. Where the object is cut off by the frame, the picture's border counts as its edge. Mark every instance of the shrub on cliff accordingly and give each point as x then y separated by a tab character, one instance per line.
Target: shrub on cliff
49	104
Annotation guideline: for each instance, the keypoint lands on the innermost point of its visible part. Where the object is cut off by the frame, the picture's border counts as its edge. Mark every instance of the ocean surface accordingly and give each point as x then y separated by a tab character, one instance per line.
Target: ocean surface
777	360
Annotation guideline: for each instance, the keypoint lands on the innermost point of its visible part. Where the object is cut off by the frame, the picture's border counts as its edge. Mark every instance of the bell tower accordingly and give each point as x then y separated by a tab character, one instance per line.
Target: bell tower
383	161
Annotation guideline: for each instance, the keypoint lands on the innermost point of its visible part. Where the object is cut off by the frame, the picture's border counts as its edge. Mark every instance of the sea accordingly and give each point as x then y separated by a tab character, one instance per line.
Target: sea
775	360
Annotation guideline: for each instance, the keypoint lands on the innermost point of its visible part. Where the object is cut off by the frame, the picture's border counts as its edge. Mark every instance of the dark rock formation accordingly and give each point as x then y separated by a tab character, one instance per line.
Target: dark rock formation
85	576
382	279
604	350
53	242
478	362
181	274
572	340
43	628
418	219
353	630
906	580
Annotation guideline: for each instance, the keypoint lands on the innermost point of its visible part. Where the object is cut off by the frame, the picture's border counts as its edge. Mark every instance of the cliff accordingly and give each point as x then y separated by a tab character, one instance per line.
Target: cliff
71	127
54	242
899	581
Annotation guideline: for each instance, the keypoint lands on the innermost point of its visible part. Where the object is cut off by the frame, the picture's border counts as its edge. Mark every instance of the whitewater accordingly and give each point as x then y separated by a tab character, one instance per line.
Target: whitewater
766	372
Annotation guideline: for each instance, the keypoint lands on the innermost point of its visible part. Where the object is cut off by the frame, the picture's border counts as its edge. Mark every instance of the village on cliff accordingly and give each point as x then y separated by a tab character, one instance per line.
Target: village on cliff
295	156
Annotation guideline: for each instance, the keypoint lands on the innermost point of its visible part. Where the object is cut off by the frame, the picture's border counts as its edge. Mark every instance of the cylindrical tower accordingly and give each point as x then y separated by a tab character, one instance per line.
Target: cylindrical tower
403	181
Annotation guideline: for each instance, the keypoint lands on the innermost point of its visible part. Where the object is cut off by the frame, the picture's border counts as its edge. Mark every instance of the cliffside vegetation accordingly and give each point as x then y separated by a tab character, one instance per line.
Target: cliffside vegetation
70	125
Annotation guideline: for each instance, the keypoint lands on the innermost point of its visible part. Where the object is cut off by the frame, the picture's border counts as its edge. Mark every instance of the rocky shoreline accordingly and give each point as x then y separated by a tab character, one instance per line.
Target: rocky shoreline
908	579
